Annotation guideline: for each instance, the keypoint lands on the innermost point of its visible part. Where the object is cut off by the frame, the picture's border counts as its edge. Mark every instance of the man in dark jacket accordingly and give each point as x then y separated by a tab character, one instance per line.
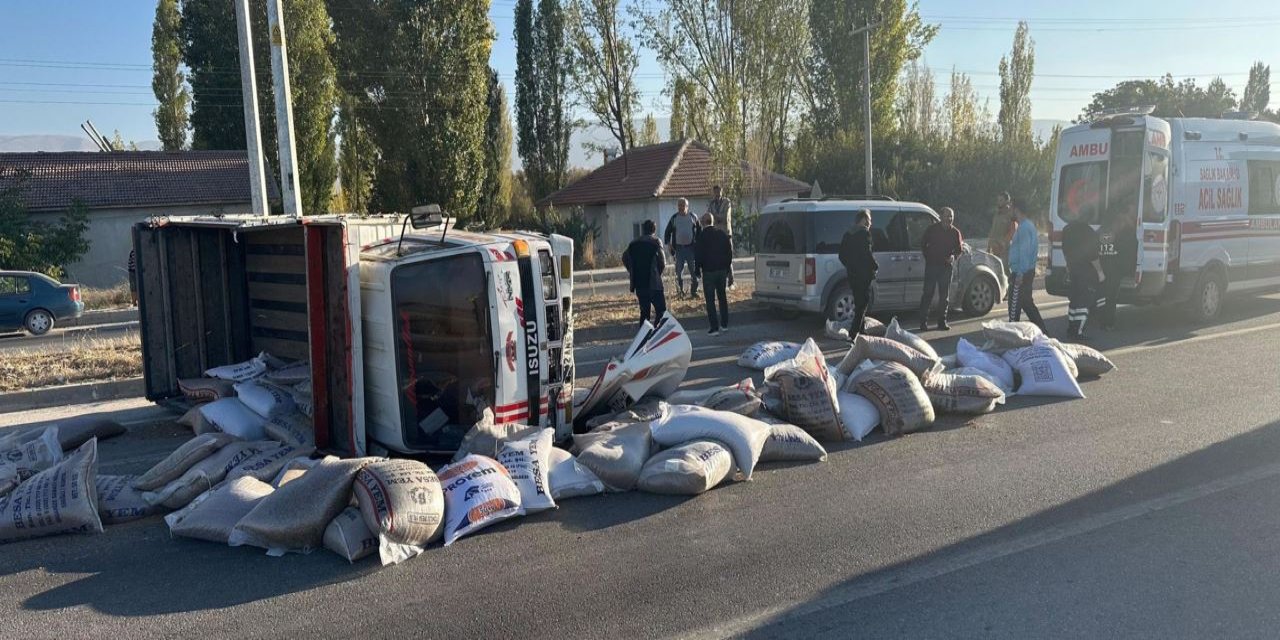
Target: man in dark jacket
645	264
941	245
713	256
860	267
1119	253
1080	248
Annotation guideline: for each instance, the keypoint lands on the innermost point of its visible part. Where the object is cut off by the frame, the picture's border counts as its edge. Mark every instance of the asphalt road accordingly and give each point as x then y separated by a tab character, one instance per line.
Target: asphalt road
66	337
1149	509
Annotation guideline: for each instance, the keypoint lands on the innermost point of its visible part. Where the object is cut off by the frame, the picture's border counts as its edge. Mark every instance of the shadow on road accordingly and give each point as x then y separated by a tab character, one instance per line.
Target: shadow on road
1011	573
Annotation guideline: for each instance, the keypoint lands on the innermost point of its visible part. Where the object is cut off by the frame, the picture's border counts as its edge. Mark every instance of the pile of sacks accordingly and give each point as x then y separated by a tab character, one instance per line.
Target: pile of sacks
900	383
262	398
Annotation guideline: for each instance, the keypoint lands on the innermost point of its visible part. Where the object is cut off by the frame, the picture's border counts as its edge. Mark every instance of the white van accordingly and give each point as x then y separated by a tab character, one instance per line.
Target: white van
798	266
1205	194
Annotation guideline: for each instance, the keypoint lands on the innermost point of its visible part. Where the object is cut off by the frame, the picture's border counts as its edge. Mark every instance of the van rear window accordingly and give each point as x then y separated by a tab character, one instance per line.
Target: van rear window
812	232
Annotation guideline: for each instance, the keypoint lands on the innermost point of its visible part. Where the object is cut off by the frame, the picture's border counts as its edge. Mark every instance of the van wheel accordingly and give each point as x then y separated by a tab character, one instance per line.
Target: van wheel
840	305
979	297
38	322
1206	300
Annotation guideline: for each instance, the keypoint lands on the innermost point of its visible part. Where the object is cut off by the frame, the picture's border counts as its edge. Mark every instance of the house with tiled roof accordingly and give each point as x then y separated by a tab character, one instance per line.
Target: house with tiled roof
646	183
122	188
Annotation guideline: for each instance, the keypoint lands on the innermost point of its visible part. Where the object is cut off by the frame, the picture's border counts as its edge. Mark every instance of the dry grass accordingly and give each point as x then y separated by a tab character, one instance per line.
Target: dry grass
116	297
88	360
620	310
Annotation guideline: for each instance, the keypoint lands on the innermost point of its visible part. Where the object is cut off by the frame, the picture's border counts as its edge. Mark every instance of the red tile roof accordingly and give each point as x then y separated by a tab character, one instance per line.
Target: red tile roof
681	168
125	179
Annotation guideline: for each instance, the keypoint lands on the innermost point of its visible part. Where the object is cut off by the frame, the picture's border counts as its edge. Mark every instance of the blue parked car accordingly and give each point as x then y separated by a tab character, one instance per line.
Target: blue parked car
34	302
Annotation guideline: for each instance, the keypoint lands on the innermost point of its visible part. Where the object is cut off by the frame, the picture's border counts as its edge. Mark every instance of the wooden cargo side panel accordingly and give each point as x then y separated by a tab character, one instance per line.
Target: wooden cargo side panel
154	322
275	270
185	295
337	345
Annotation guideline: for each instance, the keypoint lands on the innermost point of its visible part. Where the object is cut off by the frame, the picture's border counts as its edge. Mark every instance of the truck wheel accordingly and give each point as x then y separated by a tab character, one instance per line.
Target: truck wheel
1206	300
38	322
980	296
840	306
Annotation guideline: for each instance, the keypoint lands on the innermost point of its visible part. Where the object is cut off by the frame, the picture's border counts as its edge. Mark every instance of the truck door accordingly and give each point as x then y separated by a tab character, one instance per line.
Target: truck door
511	399
1153	232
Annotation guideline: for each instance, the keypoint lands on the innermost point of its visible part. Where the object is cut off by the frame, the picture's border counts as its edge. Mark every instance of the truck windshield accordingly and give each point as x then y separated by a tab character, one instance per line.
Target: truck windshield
444	351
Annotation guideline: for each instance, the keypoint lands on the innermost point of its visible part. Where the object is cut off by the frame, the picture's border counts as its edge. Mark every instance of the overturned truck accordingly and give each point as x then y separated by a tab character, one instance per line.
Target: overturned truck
409	337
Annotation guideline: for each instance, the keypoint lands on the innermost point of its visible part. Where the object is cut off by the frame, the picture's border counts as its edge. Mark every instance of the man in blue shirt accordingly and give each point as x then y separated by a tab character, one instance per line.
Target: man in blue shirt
1023	254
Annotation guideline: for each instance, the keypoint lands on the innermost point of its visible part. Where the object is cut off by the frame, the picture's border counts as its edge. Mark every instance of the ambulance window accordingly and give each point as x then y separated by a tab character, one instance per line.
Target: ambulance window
1155	188
1124	179
1081	189
548	276
444	350
1264	187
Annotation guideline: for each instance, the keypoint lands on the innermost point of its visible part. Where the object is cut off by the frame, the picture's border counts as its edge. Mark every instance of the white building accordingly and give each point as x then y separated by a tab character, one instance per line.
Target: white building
646	183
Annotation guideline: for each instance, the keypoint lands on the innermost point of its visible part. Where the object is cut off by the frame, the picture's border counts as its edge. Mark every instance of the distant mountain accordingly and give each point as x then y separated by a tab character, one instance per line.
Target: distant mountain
55	142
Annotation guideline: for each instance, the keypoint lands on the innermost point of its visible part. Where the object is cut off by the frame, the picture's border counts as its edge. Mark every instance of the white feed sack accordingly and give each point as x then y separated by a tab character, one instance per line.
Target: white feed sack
896	333
265	399
214	514
119	502
295	468
205	474
569	479
964	394
477	493
687	469
485	438
653	365
837	330
32	456
995	366
400	501
741	398
60	499
528	462
858	414
201	390
293	428
348	536
1089	361
230	415
886	350
182	458
293	518
808	394
615	453
1043	370
789	443
765	354
898	397
240	372
268	462
743	436
290	374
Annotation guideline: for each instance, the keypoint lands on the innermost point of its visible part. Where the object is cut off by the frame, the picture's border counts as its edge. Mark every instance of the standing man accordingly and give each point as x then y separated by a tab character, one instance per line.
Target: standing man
1024	251
714	258
680	235
1080	248
860	267
1003	224
941	245
645	264
1119	253
721	211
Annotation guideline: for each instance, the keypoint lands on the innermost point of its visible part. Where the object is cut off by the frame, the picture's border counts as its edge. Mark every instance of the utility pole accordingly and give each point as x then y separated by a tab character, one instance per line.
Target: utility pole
866	98
249	97
284	110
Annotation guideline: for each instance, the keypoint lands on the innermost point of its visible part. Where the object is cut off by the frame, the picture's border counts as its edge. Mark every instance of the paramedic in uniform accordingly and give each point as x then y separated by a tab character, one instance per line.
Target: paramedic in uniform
1080	248
1119	252
860	266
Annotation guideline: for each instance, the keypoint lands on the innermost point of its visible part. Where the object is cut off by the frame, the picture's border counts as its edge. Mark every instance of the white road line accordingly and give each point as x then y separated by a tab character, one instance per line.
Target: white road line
914	573
1193	339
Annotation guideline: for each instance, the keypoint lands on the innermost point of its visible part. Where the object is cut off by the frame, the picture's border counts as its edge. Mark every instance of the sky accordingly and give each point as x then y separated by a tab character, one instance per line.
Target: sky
64	61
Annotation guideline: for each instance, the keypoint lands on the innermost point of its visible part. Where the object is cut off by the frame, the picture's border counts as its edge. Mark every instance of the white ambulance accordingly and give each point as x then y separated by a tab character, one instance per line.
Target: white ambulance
409	336
1205	194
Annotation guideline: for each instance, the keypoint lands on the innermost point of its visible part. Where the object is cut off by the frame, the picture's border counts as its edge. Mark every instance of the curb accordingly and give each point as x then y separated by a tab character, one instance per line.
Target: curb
71	394
696	323
91	318
619	273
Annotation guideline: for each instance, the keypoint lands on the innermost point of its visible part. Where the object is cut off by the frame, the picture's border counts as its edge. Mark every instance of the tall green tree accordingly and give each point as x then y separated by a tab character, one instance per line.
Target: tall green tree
32	245
604	67
1016	73
917	101
168	82
649	132
422	66
835	79
543	124
1257	93
689	118
357	156
1170	99
209	51
963	114
495	194
313	85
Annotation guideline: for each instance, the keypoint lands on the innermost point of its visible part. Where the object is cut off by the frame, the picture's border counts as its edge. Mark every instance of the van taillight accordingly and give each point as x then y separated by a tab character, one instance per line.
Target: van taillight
75	294
810	271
